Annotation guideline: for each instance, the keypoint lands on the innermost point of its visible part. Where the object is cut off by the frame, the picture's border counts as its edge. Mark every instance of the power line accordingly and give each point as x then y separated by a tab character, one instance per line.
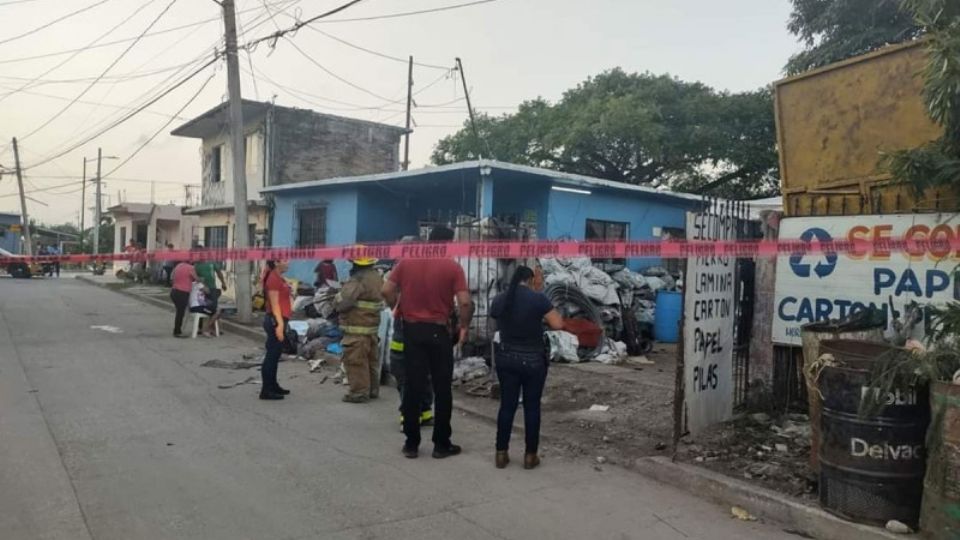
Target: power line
94	82
53	22
376	53
409	13
11	2
75	54
126	117
162	128
124	77
338	77
274	37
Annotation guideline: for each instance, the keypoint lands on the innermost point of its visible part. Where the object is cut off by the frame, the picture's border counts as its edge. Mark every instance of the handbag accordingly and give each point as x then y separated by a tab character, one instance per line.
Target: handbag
290	337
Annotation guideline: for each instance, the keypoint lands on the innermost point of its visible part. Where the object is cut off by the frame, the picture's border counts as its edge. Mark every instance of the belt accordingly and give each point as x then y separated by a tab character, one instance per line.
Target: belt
361	330
444	324
396	346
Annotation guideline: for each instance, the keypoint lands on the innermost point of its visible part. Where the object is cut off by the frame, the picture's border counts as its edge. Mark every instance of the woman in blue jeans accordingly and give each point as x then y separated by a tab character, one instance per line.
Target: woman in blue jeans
521	361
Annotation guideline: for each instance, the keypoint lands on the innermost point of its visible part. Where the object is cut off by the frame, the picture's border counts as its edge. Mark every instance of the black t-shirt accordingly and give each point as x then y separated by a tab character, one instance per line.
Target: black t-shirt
522	323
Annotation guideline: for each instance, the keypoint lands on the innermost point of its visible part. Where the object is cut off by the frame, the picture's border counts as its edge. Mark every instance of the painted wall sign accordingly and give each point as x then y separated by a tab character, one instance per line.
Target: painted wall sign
708	303
823	286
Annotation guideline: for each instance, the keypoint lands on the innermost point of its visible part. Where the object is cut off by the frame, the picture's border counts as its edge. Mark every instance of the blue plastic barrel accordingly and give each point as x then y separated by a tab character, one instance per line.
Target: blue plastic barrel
666	318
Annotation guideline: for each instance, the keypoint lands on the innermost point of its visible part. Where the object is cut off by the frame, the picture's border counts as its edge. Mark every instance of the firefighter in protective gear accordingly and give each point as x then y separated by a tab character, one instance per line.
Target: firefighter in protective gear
359	304
399	370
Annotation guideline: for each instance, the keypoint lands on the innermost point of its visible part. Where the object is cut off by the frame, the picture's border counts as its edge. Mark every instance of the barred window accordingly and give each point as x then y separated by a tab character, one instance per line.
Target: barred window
312	223
215	237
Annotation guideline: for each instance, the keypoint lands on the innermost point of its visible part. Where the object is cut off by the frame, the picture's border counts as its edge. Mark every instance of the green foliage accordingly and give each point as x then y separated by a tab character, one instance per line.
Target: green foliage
639	129
936	163
834	30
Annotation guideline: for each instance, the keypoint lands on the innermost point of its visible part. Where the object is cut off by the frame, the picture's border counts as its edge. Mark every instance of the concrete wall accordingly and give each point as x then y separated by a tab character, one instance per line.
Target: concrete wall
221	193
569	212
341	227
307	146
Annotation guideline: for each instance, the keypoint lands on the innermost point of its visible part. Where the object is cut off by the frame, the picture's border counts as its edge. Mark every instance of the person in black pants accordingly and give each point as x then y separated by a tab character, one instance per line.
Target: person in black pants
521	361
276	292
184	275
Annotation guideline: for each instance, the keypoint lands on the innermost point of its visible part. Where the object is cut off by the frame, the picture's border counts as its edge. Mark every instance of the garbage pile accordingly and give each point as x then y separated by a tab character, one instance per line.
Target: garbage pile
581	290
319	330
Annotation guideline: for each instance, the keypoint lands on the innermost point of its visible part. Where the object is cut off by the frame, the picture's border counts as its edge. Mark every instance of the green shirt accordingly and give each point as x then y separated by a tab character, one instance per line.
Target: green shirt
207	272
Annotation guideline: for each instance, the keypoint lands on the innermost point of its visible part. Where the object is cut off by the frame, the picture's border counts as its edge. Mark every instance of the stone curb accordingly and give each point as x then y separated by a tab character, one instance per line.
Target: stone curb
761	502
231	327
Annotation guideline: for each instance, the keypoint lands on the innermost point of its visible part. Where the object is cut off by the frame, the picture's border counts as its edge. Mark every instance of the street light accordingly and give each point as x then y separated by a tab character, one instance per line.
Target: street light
83	199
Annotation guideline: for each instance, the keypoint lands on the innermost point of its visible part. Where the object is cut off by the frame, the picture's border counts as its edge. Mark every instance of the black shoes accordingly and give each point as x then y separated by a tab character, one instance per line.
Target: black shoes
282	391
445	452
410	453
271	395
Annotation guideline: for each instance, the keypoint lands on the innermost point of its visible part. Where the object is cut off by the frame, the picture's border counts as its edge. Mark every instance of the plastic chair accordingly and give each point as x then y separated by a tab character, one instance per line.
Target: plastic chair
197	317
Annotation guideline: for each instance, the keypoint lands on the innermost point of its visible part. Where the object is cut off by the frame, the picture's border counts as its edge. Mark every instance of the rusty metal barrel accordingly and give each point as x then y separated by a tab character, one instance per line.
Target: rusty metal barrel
871	467
940	515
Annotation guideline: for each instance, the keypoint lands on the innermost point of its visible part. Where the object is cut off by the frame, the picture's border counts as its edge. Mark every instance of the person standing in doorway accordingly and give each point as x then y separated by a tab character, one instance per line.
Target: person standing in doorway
277	296
184	276
359	304
426	289
521	361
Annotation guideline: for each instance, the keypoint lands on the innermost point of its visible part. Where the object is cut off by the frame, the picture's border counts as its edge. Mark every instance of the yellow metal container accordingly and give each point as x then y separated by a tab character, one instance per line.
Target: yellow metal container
833	124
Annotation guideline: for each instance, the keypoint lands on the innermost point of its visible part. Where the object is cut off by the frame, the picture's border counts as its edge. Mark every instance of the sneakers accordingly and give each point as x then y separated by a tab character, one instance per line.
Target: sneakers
410	452
351	398
440	452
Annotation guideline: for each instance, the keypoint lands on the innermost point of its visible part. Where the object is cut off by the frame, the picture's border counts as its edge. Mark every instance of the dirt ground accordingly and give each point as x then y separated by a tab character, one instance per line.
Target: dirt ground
771	452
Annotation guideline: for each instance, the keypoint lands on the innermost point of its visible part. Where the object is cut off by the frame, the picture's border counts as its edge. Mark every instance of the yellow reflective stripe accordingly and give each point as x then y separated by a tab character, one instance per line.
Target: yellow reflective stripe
365	330
364	304
396	346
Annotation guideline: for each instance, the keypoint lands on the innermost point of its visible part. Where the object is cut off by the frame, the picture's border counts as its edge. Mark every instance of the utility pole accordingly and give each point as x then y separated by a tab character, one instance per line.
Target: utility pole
238	153
152	190
83	201
473	118
406	136
96	212
28	237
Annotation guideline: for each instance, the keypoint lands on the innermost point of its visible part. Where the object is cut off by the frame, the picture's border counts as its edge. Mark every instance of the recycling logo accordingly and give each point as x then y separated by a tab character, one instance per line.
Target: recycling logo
825	263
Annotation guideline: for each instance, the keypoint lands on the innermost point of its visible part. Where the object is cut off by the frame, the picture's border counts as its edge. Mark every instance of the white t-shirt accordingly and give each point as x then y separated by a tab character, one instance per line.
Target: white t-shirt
197	297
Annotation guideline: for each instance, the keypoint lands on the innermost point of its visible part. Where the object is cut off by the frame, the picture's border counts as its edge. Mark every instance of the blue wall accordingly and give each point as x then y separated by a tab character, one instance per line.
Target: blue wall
341	203
569	213
515	195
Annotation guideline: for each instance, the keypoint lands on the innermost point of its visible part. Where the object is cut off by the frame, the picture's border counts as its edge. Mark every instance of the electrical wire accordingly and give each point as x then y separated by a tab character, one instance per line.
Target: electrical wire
126	117
112	64
11	2
162	128
409	13
376	53
274	37
75	54
338	77
53	22
124	77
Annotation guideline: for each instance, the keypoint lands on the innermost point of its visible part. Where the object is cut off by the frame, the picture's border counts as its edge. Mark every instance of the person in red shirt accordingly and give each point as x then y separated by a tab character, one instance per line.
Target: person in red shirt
183	277
276	293
425	290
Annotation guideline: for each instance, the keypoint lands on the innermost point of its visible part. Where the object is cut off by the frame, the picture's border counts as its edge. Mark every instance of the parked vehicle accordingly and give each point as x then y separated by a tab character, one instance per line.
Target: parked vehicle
17	269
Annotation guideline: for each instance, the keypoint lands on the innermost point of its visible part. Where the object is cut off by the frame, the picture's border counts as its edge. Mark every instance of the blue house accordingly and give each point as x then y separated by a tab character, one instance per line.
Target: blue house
545	204
10	232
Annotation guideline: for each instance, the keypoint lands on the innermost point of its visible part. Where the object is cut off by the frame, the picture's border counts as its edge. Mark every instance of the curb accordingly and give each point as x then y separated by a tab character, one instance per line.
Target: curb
764	503
232	327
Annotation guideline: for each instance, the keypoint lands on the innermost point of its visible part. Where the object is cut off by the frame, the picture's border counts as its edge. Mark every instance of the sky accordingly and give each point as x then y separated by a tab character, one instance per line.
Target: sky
512	51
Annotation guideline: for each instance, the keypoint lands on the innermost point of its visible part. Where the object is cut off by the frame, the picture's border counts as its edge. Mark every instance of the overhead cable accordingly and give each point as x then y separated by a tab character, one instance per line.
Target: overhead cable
53	22
274	37
112	64
126	117
376	53
338	77
409	13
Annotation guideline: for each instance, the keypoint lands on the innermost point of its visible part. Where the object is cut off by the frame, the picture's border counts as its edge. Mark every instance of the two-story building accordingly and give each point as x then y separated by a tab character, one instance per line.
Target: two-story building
284	145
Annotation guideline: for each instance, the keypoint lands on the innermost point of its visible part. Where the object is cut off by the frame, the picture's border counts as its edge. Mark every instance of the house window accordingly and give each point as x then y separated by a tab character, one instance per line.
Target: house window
215	237
607	231
312	223
216	158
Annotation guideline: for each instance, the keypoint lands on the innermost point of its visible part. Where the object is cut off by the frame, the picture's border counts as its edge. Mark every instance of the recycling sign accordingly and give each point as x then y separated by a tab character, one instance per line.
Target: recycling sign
823	285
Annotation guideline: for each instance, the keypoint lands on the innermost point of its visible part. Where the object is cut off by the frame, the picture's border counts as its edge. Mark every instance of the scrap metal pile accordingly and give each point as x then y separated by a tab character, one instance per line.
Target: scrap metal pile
620	304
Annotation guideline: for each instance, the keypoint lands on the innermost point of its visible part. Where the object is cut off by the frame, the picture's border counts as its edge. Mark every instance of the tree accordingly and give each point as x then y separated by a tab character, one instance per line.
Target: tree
639	129
834	30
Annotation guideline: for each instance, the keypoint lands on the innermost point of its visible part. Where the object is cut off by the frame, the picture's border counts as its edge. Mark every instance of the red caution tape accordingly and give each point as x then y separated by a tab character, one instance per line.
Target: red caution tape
524	250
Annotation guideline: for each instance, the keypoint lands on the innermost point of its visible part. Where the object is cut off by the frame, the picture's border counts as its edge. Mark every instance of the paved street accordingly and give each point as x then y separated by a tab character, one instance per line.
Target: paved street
111	429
